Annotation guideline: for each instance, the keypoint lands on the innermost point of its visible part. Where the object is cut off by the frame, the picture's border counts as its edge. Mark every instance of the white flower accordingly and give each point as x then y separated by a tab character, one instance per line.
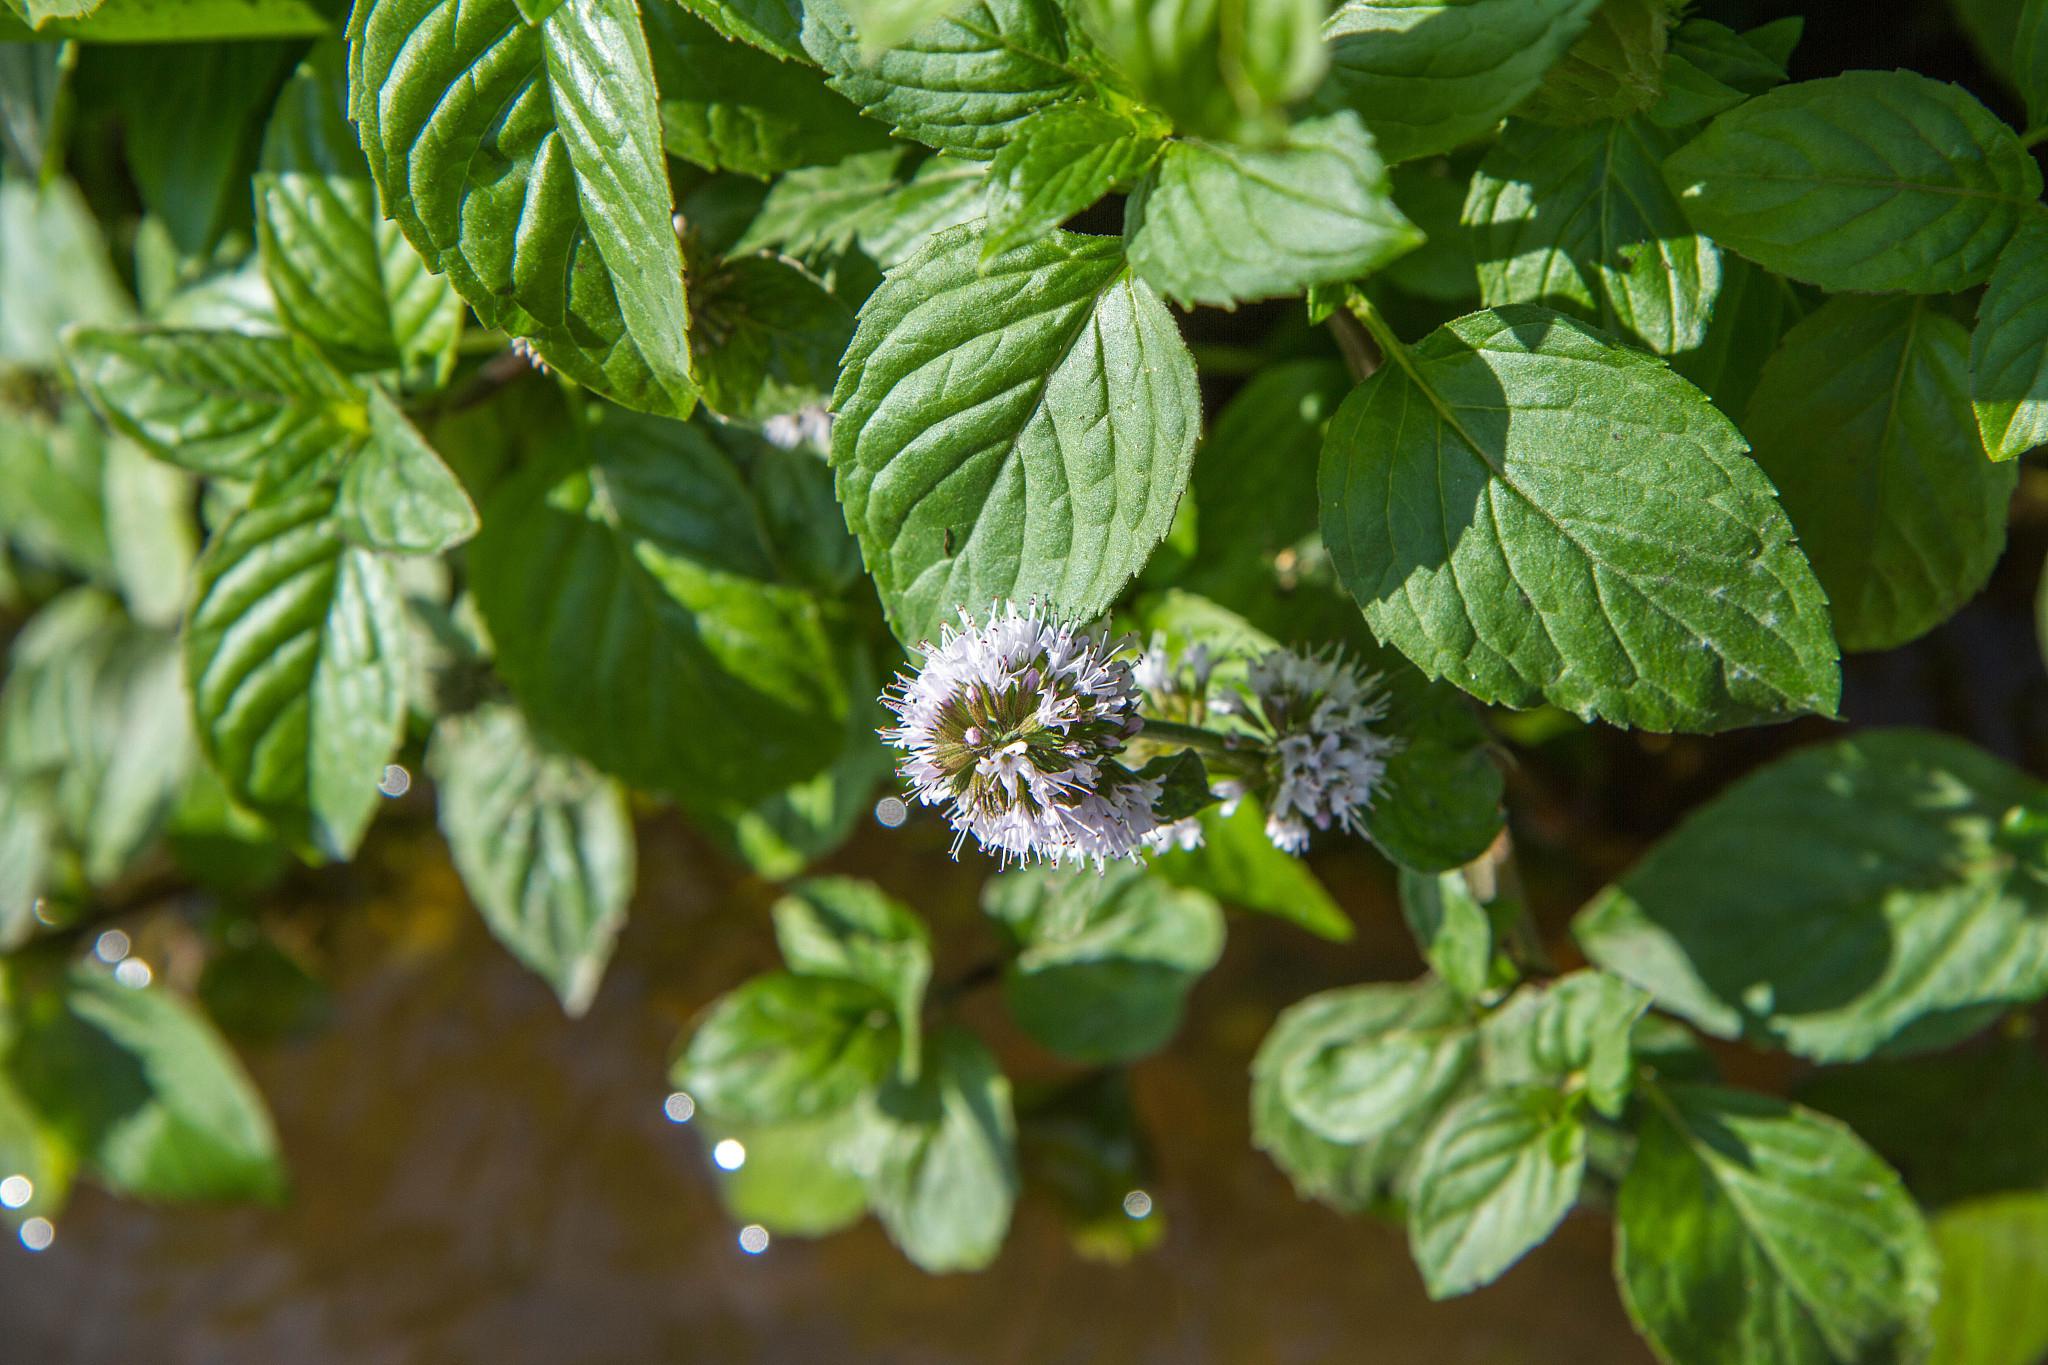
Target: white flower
810	426
1015	725
1184	833
1317	712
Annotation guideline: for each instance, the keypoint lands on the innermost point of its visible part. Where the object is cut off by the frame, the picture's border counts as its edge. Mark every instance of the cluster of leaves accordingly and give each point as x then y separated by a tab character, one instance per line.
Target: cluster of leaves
1719	375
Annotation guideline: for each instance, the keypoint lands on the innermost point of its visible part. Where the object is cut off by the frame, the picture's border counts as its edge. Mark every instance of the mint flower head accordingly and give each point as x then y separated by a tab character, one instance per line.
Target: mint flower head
1015	725
1316	713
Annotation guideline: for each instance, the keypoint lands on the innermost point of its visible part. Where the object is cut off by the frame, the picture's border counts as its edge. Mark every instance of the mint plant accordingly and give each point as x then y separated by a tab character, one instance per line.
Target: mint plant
753	407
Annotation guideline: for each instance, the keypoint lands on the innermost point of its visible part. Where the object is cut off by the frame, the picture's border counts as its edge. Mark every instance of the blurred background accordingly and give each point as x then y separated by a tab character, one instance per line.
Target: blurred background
476	1178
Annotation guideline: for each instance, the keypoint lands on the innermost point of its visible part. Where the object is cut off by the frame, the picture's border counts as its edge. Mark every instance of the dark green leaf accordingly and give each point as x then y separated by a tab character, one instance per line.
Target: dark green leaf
771	25
342	273
766	337
1614	70
1873	180
1394	1056
731	107
1429	76
1465	512
1862	419
2009	349
1058	162
2030	59
1752	309
1711	68
294	654
544	846
1579	219
524	161
1439	803
645	579
1015	428
1218	223
1104	960
943	1178
1848	897
1750	1229
785	1047
54	471
1495	1177
1431	195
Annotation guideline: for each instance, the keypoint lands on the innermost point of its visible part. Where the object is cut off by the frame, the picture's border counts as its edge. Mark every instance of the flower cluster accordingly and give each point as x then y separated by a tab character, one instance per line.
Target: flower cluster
1316	712
1016	725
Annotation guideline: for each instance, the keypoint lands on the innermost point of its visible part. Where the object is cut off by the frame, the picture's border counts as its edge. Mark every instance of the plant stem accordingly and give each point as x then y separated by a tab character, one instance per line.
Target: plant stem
1369	316
1352	339
2034	136
1232	751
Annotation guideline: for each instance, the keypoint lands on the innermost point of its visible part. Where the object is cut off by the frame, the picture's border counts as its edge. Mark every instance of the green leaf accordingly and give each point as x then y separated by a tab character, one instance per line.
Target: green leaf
1104	960
1237	863
1579	219
962	83
766	337
2030	59
770	25
1439	802
1994	1270
192	119
846	928
943	1178
544	846
1862	419
1451	927
1219	70
140	1084
30	1149
1869	181
1850	897
1082	1144
1057	163
783	833
28	833
731	107
1711	68
1750	1229
1957	1125
162	21
873	199
1752	310
524	161
295	657
1013	428
1464	512
1218	223
1348	1176
152	535
2009	348
785	1047
397	494
54	471
885	24
1573	1031
1431	195
796	1180
343	275
1393	1056
645	578
221	403
54	271
1495	1177
1427	77
93	704
1614	70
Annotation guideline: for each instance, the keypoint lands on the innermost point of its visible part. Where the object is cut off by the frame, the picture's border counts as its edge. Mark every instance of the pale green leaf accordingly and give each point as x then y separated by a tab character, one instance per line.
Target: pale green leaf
1750	1230
884	24
152	535
54	271
524	161
785	1047
1862	419
1451	927
1218	70
1873	180
1483	499
163	21
1495	1177
1237	863
796	1180
850	929
1014	428
1994	1282
1429	76
943	1178
295	657
544	846
342	274
1579	219
1849	897
2009	348
397	495
1574	1031
1393	1056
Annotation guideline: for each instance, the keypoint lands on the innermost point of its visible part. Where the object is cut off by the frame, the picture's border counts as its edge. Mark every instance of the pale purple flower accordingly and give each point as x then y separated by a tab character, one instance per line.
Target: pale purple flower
1317	713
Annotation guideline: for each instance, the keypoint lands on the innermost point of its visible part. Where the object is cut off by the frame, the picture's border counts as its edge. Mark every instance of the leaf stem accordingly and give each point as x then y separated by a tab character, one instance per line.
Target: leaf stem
2034	136
1360	307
